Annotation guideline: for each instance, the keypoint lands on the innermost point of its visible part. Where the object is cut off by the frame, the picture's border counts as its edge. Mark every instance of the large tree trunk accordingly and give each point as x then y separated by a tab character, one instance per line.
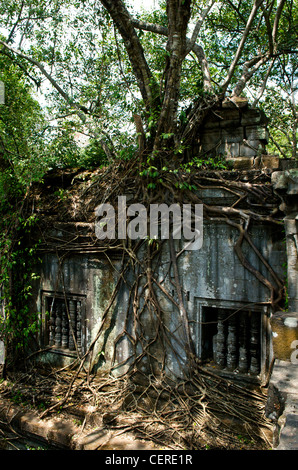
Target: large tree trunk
160	104
178	13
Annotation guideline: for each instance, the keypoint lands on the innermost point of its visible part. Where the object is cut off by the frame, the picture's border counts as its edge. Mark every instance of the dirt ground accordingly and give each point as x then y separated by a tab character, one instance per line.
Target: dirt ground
88	421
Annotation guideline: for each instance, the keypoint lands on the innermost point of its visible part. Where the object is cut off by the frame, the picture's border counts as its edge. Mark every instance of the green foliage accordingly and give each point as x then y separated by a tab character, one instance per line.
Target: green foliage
154	176
277	93
93	156
283	129
10	191
127	152
62	150
86	56
281	109
21	128
18	261
217	162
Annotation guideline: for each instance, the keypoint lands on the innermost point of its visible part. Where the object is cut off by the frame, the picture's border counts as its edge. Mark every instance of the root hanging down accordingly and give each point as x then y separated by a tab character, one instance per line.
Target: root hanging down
197	408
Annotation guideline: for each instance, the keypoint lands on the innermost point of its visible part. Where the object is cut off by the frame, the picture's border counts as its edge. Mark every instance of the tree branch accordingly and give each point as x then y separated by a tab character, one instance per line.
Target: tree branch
263	87
81	109
249	69
196	48
21	66
248	27
192	41
152	27
124	24
276	22
269	28
16	23
277	145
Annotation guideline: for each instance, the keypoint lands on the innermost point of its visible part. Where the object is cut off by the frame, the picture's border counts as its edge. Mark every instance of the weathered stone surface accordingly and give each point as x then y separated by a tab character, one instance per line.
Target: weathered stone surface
292	175
235	102
212	277
279	180
291	226
58	432
287	180
267	161
285	183
229	149
242	163
250	148
62	433
252	117
285	333
212	124
284	380
257	133
285	324
287	164
230	118
234	133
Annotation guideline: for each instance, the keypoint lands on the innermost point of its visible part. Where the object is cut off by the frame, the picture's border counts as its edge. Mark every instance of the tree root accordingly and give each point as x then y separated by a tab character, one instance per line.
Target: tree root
200	408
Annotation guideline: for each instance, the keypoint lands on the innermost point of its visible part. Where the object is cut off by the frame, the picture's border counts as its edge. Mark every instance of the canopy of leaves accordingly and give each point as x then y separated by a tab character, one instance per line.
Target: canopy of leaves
100	63
21	133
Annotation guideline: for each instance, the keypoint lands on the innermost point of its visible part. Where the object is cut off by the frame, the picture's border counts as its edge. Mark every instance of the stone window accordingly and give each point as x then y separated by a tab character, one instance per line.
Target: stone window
232	339
63	325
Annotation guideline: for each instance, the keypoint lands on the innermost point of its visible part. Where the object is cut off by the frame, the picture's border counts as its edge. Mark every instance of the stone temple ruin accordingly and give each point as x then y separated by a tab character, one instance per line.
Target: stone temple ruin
239	134
230	307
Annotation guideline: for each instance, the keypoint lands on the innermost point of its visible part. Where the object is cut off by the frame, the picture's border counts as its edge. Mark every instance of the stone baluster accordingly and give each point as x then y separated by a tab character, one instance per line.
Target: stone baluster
221	339
72	328
254	343
79	327
64	344
243	352
232	344
58	329
52	322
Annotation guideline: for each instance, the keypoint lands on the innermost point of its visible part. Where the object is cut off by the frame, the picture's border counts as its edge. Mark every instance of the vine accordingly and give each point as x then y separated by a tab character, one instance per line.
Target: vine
195	405
18	262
